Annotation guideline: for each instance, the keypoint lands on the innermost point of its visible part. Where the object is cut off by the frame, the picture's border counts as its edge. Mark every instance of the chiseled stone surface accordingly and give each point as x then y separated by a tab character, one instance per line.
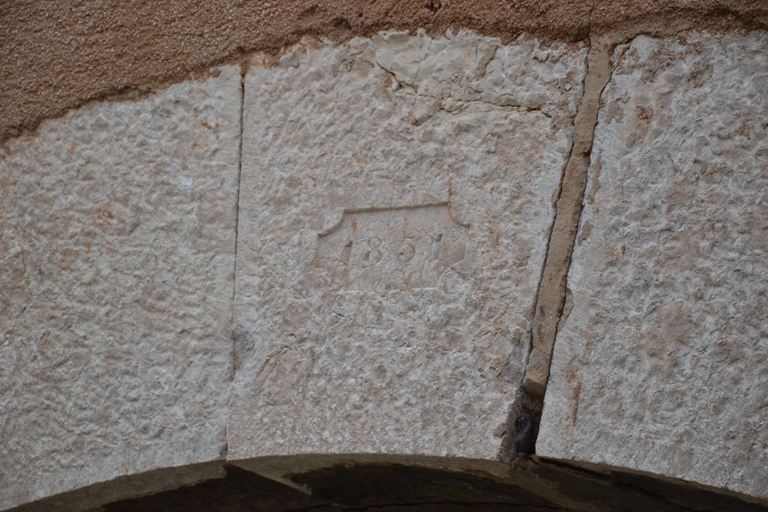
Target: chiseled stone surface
662	364
117	242
395	201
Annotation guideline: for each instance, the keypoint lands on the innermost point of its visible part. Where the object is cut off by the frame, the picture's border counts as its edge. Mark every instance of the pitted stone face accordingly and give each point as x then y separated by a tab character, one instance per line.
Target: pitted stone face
117	243
662	363
395	202
392	248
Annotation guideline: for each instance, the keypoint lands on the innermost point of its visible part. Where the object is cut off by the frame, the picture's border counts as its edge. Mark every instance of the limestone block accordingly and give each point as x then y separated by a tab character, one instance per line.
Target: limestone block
117	241
662	364
395	203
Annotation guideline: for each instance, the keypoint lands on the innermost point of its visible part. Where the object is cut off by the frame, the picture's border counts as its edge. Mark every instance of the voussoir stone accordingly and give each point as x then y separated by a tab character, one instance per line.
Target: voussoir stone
662	363
117	244
395	202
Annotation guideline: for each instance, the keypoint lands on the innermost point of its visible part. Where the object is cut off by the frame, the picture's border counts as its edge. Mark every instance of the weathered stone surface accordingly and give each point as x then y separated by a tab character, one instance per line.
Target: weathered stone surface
662	364
117	232
395	202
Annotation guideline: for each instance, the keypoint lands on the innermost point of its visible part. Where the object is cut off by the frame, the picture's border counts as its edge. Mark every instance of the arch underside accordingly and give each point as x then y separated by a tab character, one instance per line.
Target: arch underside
385	482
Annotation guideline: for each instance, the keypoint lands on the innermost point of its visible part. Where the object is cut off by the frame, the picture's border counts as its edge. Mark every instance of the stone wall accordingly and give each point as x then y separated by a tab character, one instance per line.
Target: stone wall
531	262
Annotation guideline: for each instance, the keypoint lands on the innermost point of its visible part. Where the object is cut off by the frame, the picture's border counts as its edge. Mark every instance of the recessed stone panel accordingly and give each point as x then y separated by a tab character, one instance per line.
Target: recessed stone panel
395	203
392	248
661	365
117	239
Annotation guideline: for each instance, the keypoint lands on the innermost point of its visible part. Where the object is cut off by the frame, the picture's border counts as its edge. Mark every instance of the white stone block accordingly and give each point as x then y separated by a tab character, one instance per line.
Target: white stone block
117	242
662	363
396	199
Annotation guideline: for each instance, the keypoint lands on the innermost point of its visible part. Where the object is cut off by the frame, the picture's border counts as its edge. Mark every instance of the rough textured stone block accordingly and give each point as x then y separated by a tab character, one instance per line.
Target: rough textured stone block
662	363
395	203
117	233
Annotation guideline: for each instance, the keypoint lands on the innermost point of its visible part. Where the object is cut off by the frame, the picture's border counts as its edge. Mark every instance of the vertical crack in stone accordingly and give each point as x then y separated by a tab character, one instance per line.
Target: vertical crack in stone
525	413
237	201
551	297
225	449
